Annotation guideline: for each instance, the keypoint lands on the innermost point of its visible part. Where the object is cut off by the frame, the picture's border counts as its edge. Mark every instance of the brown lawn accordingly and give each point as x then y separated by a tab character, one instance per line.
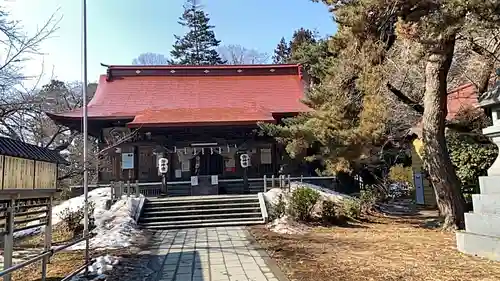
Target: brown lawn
385	249
62	264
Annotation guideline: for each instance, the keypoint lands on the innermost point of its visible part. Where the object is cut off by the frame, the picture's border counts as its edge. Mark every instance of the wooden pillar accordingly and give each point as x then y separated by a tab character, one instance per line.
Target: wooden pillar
9	238
136	163
48	239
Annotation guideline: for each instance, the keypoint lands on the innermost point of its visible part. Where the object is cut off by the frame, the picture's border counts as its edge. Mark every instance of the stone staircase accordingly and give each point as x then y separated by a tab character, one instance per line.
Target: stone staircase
482	226
203	211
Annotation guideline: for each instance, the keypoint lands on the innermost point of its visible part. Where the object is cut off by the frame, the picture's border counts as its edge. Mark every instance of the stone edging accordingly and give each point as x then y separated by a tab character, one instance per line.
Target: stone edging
269	261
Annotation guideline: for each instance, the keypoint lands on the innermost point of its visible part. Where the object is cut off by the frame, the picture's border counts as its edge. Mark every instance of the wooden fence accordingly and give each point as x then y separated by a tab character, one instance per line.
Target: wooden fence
21	173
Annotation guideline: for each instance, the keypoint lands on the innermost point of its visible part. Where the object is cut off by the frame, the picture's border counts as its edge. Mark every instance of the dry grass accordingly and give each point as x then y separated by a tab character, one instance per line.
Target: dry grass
62	264
59	235
384	249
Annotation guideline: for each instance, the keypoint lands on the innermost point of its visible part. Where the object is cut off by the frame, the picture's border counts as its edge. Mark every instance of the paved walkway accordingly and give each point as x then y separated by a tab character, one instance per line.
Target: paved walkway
207	254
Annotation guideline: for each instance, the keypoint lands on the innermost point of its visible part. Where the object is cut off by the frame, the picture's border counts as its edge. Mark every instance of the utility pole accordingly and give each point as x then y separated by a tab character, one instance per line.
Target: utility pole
85	136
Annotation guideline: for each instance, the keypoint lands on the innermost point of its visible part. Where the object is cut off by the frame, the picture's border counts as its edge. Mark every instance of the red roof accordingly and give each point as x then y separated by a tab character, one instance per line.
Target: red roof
169	95
191	116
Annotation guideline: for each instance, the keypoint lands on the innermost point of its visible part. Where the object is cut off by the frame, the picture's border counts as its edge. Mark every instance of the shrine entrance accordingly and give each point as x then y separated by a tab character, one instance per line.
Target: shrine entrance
207	164
207	167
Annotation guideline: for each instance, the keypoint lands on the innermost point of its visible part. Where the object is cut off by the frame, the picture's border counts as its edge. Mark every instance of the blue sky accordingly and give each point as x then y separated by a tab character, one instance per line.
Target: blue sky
120	30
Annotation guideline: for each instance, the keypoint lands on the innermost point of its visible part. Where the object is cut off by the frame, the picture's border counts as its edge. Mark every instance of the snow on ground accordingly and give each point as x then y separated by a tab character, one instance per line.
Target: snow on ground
115	228
98	269
324	192
286	225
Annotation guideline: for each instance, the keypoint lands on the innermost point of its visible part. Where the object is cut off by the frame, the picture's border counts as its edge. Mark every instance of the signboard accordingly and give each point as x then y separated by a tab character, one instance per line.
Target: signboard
127	161
215	179
265	156
194	180
419	188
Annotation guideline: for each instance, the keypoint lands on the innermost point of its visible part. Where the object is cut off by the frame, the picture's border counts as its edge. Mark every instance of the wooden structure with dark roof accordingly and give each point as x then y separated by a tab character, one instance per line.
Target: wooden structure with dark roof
26	169
199	117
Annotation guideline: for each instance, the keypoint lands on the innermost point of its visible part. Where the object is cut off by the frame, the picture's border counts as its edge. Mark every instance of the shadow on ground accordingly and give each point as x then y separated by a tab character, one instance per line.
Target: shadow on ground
179	266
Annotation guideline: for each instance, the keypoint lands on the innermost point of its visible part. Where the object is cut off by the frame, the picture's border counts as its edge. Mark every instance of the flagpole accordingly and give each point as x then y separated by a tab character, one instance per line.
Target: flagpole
85	136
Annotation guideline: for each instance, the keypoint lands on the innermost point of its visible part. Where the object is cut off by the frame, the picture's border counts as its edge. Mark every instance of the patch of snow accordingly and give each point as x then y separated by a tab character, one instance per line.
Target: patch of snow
326	194
98	269
286	225
272	196
115	228
99	196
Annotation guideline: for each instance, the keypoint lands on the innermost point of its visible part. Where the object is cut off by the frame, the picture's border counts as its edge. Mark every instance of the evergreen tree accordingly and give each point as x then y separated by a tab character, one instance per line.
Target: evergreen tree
282	52
300	37
199	45
351	121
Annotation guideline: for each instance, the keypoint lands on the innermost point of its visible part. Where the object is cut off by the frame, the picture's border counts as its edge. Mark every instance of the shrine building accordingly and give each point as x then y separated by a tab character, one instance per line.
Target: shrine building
198	117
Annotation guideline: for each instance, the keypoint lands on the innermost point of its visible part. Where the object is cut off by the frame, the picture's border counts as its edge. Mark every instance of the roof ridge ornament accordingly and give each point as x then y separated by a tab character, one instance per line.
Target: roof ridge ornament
109	75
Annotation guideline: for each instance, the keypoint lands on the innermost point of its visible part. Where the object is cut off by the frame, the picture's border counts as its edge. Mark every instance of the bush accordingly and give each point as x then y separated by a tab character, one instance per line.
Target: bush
278	209
330	213
73	219
399	173
302	203
351	208
369	196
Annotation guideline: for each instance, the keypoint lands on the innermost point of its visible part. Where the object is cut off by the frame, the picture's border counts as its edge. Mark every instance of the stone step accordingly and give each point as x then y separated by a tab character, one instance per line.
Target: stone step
199	201
205	224
203	198
197	216
489	185
486	204
479	245
203	206
198	211
485	224
234	221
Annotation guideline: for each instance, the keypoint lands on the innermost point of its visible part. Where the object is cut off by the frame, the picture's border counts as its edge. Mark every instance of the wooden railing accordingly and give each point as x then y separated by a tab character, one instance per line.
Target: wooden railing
25	214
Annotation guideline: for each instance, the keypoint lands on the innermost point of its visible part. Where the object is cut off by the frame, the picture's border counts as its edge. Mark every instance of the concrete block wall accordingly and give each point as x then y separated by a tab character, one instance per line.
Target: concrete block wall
482	226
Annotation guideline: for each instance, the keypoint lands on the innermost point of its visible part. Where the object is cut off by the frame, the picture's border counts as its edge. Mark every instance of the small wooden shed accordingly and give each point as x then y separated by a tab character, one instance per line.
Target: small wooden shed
25	166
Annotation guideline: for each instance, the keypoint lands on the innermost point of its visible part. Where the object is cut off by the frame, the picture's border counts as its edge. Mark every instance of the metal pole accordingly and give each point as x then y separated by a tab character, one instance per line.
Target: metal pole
85	136
265	183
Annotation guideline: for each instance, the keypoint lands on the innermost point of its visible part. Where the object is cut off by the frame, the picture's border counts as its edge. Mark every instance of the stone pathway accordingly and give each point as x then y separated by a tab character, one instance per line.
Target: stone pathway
205	254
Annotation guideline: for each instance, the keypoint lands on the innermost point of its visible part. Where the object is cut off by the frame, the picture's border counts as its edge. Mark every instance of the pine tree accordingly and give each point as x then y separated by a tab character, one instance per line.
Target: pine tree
300	37
282	52
198	45
350	117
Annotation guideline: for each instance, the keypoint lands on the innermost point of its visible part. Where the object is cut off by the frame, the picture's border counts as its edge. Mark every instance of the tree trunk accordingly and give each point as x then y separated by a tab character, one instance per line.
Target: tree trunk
442	174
